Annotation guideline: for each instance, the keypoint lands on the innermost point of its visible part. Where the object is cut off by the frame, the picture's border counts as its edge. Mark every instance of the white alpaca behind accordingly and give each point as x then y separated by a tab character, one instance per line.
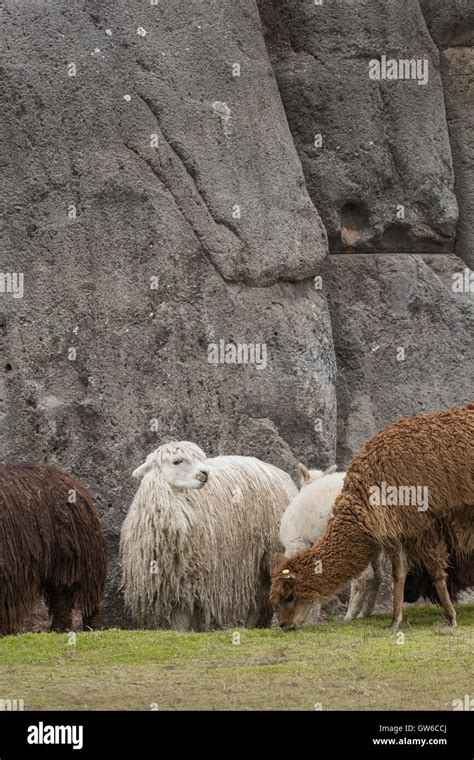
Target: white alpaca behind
306	517
304	522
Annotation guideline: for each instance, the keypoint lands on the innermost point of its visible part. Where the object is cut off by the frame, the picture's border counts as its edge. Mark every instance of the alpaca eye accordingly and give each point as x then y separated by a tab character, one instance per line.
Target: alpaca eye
289	599
178	461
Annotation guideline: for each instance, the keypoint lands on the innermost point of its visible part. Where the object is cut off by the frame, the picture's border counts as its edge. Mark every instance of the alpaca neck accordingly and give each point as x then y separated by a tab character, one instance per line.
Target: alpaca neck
340	555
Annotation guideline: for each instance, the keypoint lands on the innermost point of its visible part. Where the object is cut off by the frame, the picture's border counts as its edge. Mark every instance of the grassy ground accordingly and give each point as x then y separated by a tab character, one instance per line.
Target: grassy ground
334	665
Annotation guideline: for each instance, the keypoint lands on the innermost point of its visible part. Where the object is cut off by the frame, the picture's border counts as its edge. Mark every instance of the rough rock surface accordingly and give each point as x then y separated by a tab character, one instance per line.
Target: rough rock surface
100	362
403	339
458	78
384	142
450	22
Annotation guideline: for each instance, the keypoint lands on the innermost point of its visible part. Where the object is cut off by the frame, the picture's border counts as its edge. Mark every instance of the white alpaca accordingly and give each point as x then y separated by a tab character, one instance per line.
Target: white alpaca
305	521
198	542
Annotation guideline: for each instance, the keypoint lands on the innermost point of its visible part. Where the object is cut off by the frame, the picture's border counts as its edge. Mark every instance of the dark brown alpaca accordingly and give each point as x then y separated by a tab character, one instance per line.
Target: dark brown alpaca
434	451
418	584
460	569
51	543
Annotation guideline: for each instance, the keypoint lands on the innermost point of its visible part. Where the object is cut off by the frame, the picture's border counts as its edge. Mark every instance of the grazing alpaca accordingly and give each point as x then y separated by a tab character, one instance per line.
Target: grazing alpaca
198	541
51	543
305	521
433	452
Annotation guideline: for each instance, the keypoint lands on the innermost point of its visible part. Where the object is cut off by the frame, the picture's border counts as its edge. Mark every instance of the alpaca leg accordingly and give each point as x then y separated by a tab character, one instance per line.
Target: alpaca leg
263	615
372	587
399	571
358	593
313	615
60	603
181	621
92	621
437	568
262	612
445	599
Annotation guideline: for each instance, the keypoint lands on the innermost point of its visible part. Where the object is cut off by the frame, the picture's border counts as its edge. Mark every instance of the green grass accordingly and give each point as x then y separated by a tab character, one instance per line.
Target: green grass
340	666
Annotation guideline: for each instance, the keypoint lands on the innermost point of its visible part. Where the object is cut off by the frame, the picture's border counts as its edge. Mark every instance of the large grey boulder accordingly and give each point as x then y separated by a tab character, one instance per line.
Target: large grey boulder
384	143
403	331
451	25
382	177
450	22
458	79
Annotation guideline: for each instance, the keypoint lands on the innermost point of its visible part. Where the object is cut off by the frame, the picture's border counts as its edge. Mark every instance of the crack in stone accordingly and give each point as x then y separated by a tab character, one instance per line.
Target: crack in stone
189	221
185	165
198	235
202	203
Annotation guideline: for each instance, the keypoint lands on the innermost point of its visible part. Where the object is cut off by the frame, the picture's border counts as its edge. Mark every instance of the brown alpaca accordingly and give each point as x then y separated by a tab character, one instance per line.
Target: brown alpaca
51	543
434	451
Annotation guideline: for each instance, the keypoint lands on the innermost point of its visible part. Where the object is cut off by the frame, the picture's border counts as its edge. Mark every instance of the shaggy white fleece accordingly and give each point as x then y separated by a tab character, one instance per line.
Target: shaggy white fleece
306	517
201	557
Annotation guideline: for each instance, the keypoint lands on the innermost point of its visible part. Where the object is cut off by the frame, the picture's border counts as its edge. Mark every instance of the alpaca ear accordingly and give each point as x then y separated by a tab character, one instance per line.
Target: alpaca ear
305	474
330	470
145	467
140	471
